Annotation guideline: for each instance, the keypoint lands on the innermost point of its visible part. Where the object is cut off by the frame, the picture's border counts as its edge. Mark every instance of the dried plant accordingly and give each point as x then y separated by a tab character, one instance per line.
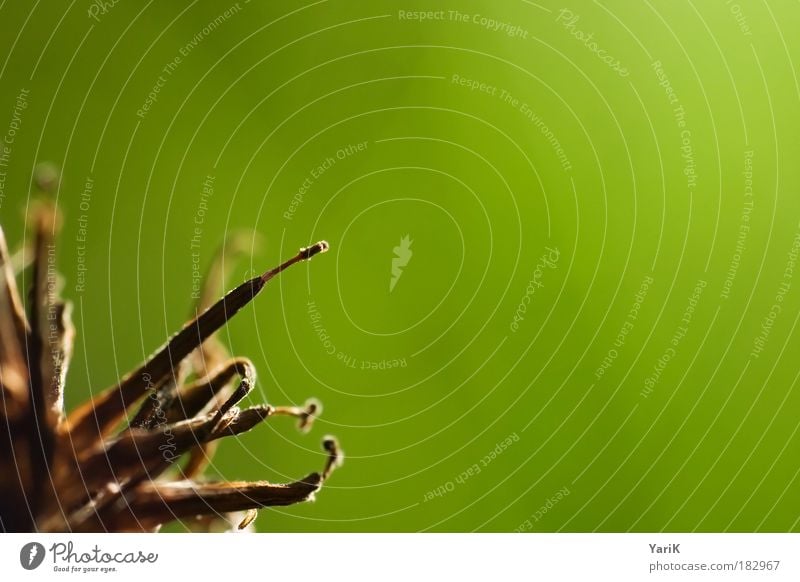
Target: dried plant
109	466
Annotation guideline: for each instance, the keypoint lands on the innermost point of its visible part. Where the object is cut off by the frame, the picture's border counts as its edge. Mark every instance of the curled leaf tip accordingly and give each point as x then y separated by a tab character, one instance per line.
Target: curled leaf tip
313	408
335	455
305	415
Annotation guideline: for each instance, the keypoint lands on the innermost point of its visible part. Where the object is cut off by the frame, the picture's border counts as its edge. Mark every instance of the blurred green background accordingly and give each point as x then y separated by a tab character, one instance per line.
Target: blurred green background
602	204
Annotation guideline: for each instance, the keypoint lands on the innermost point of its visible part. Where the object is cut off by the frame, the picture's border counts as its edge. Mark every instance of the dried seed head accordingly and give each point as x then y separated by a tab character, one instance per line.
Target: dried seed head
96	469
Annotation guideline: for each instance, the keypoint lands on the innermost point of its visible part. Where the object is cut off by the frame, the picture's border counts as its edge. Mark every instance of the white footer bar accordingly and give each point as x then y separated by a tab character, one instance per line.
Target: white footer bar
355	557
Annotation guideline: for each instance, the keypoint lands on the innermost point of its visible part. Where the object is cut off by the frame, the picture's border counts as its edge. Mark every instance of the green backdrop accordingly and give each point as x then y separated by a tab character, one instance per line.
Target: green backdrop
594	323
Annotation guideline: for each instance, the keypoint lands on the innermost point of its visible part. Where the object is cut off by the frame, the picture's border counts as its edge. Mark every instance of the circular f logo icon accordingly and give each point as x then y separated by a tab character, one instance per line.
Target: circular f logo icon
31	555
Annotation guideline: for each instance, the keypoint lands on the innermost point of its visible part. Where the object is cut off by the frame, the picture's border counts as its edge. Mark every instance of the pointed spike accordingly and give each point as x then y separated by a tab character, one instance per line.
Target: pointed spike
98	417
153	503
139	451
202	393
108	408
40	351
219	271
243	421
212	352
62	340
245	387
200	456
